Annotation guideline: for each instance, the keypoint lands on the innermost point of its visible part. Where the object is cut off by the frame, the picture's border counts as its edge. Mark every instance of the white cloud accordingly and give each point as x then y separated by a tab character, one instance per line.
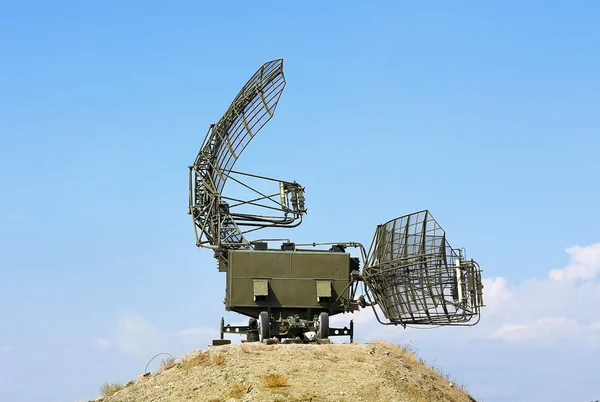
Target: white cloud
496	292
5	348
197	336
545	330
133	335
563	308
584	265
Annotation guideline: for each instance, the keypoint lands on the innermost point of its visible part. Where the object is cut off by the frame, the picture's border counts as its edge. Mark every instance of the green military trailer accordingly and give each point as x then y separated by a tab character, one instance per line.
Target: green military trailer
289	292
411	273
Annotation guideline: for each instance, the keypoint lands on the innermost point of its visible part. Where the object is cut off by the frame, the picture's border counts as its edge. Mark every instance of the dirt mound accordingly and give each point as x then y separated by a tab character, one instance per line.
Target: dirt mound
307	372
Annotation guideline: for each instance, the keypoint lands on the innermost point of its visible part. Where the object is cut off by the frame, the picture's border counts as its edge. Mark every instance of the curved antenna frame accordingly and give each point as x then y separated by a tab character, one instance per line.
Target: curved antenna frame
216	225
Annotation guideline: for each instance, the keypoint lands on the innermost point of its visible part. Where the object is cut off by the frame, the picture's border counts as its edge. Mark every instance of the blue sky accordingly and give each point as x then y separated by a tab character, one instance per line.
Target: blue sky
485	114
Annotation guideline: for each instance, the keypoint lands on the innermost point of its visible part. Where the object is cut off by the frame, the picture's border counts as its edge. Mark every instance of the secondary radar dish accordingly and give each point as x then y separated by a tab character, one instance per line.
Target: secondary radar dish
416	277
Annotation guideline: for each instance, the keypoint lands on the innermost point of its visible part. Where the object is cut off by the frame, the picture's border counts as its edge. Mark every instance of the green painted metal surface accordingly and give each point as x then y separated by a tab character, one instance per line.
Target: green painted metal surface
298	281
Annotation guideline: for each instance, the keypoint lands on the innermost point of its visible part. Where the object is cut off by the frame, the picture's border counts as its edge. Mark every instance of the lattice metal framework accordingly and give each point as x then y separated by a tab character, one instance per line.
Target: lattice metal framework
411	272
216	222
416	277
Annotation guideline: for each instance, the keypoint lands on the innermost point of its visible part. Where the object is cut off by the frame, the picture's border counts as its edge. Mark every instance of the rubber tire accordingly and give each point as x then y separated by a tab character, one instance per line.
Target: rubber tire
252	335
323	326
264	327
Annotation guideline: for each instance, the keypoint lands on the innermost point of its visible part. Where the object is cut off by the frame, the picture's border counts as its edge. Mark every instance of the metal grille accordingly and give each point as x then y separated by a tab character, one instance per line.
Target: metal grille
251	109
416	277
221	222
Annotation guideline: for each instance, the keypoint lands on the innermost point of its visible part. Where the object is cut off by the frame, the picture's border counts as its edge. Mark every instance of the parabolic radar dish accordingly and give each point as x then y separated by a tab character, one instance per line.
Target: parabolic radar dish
251	109
218	222
416	277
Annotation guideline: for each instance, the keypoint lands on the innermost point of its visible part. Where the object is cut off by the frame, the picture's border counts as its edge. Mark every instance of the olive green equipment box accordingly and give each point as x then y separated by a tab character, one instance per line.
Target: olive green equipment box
289	293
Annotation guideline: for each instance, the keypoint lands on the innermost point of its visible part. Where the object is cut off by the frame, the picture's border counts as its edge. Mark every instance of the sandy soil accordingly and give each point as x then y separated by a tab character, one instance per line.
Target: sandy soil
305	372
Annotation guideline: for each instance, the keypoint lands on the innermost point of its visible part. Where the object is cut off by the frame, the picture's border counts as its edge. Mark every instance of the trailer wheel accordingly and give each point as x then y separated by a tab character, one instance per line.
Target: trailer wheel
252	335
264	327
323	326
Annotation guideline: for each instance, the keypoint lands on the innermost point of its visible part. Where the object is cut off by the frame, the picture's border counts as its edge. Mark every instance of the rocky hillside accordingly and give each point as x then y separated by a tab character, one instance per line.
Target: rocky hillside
295	372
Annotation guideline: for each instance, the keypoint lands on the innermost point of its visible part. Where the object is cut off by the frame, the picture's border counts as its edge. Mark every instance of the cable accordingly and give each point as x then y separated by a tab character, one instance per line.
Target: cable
163	353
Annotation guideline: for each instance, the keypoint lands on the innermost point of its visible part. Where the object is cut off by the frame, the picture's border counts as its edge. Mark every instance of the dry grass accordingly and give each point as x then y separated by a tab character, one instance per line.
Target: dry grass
201	359
407	351
436	375
256	348
378	371
166	364
238	390
274	381
441	373
108	389
289	397
219	359
300	398
318	354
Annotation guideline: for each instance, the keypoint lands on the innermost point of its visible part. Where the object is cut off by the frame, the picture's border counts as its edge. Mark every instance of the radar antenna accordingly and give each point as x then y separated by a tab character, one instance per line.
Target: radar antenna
416	277
222	222
410	273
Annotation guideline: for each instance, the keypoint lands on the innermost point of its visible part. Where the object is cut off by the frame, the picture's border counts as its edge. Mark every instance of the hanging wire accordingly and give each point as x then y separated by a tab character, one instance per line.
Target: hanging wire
163	353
